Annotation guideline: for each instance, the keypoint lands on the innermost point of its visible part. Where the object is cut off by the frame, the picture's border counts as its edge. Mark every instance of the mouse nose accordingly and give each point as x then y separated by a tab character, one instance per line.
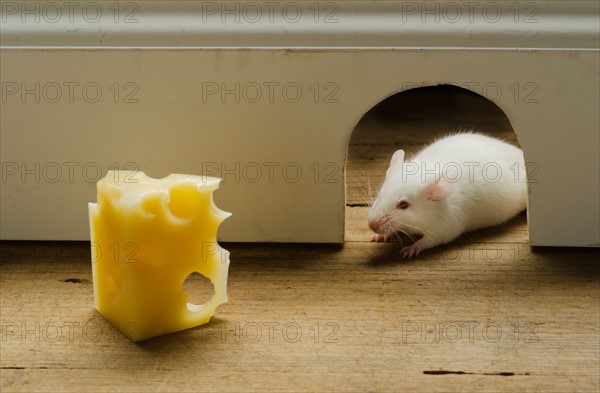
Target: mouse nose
374	225
379	224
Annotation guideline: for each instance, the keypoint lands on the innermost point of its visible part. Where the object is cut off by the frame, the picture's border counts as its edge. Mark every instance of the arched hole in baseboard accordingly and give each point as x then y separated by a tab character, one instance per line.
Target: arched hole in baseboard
409	120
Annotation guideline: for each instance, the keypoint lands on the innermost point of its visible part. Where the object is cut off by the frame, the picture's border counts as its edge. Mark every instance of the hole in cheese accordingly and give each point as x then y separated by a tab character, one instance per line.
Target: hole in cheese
184	200
198	288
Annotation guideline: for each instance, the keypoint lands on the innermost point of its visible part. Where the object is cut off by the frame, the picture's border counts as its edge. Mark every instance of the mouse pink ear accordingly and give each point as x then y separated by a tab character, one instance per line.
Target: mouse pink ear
397	158
437	190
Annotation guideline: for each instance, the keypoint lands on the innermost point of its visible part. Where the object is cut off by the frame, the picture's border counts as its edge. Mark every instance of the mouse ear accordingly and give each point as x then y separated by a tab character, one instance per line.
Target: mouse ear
397	158
437	190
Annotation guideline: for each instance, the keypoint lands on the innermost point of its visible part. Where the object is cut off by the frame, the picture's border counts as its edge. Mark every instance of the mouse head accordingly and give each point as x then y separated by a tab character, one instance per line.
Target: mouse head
408	201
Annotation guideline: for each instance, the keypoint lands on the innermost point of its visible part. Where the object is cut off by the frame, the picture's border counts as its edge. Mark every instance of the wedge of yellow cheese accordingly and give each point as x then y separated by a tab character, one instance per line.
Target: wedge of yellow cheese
147	236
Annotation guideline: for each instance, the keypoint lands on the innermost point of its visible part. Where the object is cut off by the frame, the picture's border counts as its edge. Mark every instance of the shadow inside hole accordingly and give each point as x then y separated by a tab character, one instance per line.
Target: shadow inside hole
199	290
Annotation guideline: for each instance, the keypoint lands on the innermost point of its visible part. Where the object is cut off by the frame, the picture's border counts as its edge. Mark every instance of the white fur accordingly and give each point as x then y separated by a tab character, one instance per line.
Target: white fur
476	197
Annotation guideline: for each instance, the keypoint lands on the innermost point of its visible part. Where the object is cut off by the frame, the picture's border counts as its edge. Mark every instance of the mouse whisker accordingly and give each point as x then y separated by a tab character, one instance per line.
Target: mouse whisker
367	200
407	235
399	238
432	234
396	234
370	193
364	198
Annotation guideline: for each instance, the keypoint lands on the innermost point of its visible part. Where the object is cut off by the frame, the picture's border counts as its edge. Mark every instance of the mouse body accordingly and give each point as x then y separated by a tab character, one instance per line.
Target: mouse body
459	183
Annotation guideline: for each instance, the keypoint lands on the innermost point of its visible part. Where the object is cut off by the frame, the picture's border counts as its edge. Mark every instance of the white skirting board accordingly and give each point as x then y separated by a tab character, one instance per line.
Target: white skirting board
269	104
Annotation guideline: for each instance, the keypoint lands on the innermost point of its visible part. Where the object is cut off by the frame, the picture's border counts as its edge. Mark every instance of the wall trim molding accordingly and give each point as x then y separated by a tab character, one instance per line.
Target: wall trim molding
301	24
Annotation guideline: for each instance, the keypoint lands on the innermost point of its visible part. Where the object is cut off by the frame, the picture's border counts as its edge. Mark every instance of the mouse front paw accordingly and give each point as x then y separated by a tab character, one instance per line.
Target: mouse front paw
380	238
412	250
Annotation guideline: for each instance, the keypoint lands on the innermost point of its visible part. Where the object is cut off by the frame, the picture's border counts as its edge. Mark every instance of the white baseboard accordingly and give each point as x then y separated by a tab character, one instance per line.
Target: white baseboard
176	90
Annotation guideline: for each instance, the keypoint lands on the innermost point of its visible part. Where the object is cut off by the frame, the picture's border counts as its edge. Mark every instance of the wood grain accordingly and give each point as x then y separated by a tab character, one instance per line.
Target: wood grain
485	313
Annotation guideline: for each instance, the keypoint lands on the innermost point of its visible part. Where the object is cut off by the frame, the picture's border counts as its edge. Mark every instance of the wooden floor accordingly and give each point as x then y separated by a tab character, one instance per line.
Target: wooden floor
484	314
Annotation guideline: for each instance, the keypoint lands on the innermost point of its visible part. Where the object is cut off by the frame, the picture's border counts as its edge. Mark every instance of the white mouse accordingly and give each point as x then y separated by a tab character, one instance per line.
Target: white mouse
459	183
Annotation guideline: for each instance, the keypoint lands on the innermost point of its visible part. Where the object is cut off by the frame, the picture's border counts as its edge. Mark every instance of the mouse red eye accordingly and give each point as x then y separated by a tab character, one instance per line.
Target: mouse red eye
403	204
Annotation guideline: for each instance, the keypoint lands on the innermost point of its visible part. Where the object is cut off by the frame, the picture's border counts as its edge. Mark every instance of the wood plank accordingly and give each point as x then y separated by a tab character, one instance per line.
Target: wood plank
350	318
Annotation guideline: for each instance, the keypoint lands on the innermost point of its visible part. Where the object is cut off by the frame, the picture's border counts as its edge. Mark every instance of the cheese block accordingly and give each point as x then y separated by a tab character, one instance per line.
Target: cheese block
147	236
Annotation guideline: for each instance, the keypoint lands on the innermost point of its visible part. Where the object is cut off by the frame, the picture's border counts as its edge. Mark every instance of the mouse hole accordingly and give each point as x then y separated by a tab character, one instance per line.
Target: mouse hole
410	120
199	290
